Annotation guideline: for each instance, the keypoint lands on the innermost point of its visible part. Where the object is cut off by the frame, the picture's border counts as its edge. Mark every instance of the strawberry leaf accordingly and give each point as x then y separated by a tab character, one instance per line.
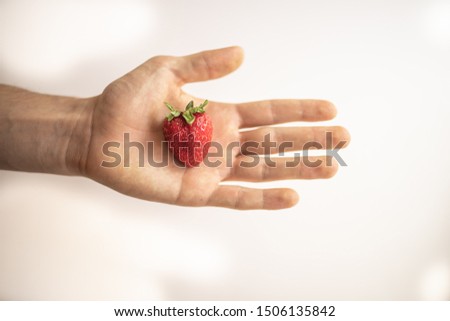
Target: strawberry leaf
189	112
200	108
190	105
188	116
173	112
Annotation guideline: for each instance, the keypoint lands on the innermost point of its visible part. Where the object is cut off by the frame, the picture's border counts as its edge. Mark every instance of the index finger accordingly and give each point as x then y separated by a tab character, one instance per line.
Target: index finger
270	112
208	65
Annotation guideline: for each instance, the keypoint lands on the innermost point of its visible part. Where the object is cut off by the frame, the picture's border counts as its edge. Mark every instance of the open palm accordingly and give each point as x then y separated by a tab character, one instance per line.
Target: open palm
134	105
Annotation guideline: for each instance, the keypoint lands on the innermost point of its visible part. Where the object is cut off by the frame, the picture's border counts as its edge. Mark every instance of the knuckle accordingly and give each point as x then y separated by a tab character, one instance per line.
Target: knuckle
161	61
114	92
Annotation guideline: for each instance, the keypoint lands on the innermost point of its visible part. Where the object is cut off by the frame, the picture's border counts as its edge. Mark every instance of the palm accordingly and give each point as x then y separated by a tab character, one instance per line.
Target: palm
134	105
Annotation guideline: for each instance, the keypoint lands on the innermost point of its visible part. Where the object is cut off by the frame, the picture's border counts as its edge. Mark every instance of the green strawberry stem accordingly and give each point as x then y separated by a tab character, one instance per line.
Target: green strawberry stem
173	112
188	113
189	105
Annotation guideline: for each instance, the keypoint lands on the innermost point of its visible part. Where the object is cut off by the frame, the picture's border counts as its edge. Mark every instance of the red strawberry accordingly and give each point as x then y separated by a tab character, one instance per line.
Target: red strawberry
189	133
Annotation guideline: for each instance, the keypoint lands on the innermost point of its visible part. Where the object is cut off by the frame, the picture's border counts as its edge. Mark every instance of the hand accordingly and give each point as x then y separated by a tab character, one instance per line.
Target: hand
64	135
134	104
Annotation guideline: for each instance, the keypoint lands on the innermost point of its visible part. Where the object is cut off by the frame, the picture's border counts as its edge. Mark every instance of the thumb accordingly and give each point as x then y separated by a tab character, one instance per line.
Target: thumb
209	64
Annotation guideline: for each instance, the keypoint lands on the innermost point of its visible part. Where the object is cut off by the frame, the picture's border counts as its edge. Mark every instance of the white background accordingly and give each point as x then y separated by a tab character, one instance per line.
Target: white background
378	230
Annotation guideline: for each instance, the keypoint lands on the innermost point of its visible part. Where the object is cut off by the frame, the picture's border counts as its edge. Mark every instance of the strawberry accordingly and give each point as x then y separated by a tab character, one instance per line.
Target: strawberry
189	133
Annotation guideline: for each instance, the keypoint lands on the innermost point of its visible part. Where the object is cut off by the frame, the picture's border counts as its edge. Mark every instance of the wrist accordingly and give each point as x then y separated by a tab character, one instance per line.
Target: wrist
80	114
44	133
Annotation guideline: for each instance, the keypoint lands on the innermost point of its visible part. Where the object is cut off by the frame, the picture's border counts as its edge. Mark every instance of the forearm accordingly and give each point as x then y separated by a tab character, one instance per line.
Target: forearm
43	133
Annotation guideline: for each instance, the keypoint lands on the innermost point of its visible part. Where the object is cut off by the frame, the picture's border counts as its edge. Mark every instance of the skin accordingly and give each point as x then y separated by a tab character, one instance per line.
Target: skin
64	135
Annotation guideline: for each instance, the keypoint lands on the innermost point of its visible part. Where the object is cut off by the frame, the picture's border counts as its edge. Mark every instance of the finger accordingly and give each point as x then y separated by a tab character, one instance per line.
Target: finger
246	168
270	112
243	198
208	64
270	140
